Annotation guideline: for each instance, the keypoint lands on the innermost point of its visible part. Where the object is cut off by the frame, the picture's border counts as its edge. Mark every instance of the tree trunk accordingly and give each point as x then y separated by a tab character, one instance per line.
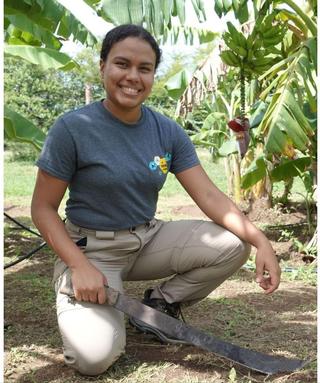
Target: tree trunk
313	242
228	175
237	192
88	95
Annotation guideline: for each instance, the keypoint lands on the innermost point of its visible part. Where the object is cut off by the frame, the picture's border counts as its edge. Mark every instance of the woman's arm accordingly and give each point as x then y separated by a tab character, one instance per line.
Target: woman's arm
218	207
87	281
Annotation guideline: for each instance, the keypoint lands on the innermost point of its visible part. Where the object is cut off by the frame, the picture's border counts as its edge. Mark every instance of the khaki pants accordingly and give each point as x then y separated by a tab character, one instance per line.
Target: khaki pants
197	255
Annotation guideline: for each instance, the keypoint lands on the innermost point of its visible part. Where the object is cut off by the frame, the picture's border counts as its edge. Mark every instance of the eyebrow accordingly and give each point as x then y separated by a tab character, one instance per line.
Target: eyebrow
125	59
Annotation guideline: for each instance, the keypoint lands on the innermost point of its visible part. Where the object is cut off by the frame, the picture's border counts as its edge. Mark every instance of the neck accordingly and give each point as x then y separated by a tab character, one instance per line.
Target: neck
127	116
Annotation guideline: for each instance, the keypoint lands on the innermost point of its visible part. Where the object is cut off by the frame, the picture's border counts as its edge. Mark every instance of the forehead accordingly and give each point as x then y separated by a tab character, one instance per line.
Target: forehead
133	48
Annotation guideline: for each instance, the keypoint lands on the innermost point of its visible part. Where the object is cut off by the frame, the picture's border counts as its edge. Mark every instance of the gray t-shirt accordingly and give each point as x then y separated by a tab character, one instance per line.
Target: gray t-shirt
114	170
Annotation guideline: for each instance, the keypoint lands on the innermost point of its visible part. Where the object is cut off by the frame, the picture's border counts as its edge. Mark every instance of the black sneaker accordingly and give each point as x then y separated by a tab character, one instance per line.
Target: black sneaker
172	309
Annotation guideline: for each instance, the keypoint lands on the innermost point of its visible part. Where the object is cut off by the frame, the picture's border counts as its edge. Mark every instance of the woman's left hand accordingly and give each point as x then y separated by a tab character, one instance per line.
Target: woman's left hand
266	261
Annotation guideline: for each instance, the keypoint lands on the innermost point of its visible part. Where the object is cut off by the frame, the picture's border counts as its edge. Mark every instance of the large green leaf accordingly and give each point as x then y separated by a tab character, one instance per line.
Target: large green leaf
117	11
181	11
290	168
285	123
157	16
18	128
258	114
45	57
136	11
198	6
25	24
228	147
212	119
178	83
167	11
255	173
158	25
312	46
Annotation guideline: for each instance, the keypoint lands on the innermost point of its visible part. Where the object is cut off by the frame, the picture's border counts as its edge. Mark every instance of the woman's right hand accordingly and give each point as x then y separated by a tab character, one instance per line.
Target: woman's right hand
88	284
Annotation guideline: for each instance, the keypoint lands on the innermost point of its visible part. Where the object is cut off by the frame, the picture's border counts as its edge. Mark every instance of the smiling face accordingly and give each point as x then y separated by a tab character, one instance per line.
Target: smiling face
128	75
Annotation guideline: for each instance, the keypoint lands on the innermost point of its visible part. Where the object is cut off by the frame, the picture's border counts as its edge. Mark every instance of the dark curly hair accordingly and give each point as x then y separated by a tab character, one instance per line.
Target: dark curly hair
121	32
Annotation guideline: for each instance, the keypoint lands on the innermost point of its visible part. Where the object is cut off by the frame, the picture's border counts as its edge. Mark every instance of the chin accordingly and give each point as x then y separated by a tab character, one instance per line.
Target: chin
130	103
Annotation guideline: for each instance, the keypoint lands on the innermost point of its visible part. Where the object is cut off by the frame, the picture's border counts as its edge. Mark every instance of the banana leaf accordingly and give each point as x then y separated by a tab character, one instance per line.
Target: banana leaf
46	21
255	173
311	44
177	84
117	11
258	114
290	168
228	147
18	128
212	119
284	122
24	23
45	57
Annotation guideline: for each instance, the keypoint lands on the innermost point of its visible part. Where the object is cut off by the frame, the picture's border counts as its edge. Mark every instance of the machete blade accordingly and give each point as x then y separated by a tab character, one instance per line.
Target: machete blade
253	360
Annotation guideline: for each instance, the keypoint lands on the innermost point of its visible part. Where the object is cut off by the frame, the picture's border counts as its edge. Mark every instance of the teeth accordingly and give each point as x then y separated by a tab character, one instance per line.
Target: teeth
130	90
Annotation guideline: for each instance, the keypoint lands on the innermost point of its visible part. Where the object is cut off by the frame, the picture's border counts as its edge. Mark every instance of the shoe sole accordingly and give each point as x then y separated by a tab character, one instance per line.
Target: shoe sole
146	329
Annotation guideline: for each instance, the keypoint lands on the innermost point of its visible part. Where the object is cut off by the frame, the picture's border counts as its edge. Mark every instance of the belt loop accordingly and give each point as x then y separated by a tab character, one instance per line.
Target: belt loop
105	234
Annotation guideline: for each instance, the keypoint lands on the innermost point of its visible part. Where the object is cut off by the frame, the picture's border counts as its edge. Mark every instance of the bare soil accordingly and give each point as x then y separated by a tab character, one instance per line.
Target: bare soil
283	323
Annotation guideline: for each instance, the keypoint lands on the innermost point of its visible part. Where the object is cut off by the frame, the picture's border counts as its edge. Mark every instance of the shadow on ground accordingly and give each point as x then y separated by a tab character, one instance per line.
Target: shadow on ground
281	324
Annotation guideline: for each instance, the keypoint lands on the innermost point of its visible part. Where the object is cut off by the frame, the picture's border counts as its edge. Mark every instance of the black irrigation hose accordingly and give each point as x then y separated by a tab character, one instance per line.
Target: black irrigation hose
28	255
43	244
284	269
21	225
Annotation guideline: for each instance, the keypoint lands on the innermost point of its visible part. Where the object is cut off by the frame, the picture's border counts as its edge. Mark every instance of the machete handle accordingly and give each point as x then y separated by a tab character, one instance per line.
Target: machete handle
112	295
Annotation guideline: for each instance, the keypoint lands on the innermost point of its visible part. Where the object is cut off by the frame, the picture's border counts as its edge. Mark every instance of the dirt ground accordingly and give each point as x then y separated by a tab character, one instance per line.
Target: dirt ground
283	323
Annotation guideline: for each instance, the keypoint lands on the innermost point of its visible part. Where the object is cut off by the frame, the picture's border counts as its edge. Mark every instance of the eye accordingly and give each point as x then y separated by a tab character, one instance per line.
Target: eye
122	64
145	69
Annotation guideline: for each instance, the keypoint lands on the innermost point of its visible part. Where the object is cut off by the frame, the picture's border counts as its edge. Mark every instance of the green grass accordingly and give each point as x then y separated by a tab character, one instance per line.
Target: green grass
215	172
19	181
33	343
20	177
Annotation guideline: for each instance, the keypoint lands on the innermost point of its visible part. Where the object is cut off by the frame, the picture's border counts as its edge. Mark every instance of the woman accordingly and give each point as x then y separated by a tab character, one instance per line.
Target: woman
114	156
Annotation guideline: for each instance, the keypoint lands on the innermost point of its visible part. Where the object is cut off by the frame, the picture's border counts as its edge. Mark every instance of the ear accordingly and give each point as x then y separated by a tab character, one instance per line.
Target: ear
102	65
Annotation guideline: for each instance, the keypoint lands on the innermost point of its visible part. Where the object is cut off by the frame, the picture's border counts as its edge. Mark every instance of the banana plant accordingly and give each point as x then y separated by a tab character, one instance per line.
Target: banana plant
281	48
164	19
288	85
35	30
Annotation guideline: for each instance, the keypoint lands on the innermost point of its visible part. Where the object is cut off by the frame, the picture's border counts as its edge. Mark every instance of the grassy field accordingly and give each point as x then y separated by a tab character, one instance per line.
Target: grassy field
19	180
281	324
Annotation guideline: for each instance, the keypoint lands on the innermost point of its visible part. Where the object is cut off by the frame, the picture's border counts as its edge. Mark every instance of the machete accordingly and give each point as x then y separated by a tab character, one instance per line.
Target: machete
253	360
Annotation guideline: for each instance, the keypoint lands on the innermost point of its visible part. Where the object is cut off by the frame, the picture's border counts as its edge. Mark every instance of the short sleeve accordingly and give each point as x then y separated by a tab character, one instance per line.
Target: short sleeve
58	155
184	155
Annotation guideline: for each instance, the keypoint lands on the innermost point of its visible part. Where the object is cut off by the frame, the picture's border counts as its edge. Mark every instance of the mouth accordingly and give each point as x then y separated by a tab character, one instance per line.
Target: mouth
130	91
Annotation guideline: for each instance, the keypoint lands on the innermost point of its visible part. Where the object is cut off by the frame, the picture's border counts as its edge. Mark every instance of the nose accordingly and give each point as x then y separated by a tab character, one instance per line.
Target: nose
133	74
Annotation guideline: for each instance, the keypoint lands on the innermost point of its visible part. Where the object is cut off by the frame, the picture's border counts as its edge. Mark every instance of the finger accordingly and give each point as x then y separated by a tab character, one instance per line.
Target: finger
84	297
265	283
102	296
93	297
77	295
274	284
259	271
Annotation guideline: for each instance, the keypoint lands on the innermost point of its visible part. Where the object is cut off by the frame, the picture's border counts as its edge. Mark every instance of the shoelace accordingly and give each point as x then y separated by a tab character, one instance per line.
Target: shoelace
174	310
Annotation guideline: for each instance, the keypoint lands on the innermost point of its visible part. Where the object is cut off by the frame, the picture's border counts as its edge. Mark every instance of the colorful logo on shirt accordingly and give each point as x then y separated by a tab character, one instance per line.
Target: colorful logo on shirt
160	163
